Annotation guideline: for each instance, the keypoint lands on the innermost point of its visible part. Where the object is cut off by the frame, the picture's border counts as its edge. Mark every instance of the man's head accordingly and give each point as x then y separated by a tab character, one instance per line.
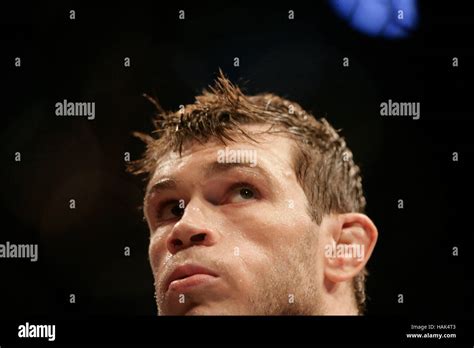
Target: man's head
254	207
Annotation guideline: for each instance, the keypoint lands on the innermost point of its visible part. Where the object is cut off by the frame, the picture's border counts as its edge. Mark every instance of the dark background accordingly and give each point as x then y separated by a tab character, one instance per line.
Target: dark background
81	251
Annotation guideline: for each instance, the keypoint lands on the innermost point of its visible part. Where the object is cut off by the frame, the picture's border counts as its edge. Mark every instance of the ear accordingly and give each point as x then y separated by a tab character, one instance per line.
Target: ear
352	240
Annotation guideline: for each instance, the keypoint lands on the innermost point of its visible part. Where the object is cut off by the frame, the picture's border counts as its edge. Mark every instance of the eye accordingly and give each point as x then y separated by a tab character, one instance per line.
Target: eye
243	192
170	210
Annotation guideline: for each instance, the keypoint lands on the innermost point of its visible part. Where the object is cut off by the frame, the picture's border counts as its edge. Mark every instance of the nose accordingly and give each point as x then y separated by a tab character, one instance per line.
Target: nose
191	230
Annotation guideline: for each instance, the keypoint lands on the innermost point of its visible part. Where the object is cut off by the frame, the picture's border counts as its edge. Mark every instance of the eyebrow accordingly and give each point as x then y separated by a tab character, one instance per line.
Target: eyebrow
166	184
218	168
213	168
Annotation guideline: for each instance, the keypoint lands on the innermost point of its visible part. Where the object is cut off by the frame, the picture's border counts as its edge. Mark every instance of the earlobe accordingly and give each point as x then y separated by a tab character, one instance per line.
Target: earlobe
353	237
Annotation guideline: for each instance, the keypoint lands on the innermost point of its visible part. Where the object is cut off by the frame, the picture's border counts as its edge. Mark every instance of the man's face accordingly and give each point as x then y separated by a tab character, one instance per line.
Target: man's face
237	234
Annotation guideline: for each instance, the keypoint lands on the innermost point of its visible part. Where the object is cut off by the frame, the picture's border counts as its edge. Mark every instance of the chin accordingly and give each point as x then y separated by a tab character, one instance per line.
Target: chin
206	309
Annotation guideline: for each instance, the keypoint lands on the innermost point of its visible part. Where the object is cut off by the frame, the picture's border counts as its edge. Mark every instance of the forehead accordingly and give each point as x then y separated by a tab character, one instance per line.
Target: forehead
273	152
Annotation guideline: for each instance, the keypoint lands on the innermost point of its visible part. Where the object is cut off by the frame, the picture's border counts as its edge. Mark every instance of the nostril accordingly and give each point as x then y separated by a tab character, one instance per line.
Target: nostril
177	242
198	237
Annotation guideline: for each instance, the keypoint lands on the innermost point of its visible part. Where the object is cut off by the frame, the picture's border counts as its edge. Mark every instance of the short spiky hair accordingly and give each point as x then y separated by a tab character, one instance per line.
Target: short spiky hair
322	162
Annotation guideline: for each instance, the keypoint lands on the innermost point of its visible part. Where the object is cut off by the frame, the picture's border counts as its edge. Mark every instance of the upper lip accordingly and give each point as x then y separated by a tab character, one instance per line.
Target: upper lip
185	271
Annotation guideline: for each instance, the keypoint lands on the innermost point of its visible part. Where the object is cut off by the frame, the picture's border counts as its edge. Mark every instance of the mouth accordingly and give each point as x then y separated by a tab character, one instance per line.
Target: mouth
189	276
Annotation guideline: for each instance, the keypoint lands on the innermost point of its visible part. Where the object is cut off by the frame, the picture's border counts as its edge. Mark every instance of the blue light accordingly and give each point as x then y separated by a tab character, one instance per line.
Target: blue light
386	18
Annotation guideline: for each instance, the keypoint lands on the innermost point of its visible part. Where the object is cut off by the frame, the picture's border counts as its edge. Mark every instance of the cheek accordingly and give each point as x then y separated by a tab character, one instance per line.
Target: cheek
156	253
266	237
269	227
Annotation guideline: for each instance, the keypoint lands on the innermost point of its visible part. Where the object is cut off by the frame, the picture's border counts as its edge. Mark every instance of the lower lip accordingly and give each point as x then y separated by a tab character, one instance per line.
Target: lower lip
191	282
